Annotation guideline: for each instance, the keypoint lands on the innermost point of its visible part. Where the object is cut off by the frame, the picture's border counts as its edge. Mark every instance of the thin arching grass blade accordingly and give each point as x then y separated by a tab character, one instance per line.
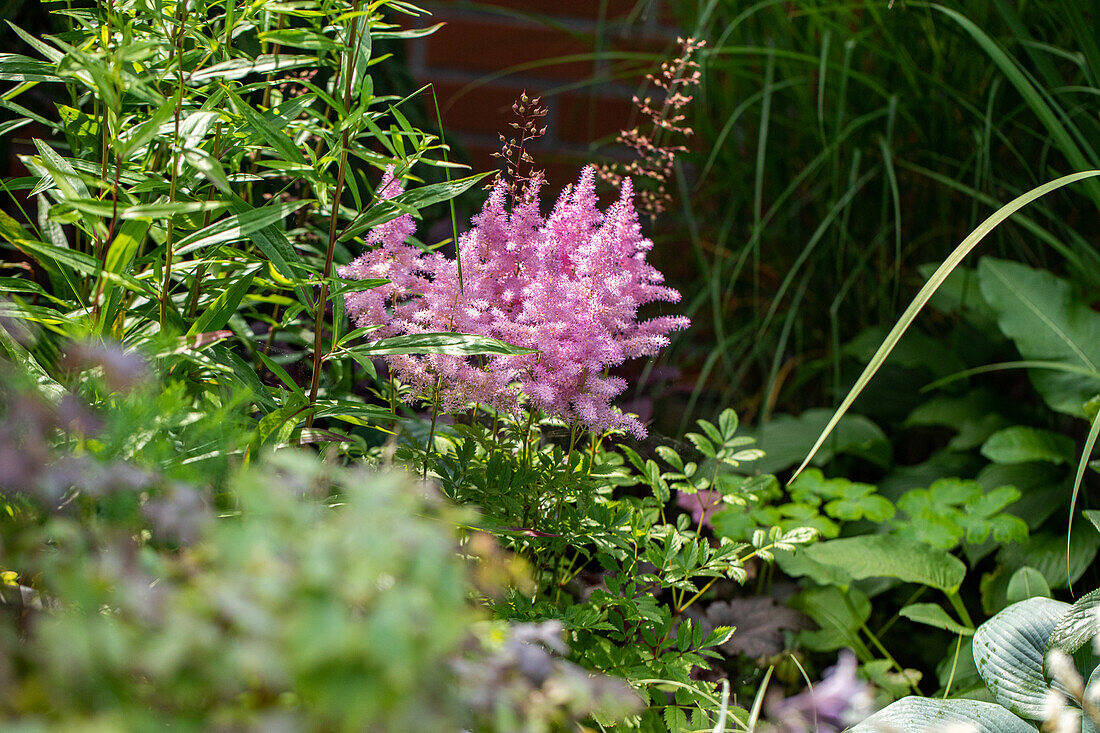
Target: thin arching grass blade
1086	453
926	293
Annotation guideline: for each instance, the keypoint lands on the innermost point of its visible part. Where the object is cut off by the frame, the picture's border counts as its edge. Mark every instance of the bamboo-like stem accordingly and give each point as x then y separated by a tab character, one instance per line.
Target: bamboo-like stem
334	217
167	281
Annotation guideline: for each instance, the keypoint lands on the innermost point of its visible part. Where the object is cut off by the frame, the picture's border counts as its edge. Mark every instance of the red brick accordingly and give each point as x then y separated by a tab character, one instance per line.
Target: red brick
584	118
469	45
571	8
481	109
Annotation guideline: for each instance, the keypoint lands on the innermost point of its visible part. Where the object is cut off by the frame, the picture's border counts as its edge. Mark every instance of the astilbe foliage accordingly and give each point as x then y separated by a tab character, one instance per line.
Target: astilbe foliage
568	285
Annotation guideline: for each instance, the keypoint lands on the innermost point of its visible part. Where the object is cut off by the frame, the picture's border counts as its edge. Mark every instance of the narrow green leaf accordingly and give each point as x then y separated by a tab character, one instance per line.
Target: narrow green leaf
16	67
456	344
218	313
273	135
240	68
238	226
281	373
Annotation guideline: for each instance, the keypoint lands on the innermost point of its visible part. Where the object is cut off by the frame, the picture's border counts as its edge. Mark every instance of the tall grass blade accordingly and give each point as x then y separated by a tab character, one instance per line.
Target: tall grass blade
928	290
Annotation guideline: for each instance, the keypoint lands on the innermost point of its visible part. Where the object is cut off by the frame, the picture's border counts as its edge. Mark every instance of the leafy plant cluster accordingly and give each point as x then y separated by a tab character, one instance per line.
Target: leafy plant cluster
174	322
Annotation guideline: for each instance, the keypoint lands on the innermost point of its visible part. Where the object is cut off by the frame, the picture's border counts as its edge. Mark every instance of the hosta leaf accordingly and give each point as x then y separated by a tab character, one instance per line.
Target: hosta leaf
924	714
1009	651
1078	626
1047	321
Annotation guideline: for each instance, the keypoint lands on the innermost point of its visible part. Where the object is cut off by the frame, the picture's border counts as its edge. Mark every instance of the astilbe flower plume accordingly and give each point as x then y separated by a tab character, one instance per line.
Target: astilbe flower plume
568	285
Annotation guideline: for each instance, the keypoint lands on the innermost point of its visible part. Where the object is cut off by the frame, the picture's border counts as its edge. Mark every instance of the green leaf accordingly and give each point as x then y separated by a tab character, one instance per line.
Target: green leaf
922	714
389	209
953	260
1077	627
237	226
839	614
882	556
1046	320
1093	515
456	344
1027	582
1009	649
217	314
932	614
274	136
1021	444
300	38
15	67
239	68
1046	553
786	438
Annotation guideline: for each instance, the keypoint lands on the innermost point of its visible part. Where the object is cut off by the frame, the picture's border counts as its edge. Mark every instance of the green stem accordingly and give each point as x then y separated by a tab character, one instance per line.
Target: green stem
334	216
167	281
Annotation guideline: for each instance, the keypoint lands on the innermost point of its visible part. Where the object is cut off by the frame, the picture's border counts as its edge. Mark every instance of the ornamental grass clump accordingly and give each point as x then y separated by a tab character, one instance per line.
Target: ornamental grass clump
568	286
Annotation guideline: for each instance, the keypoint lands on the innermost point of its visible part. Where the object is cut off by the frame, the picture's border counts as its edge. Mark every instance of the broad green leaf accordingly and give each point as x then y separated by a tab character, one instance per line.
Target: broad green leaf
786	438
925	714
1093	515
1027	582
1077	627
840	615
1048	321
457	344
217	314
921	299
1022	444
882	556
1046	553
1008	651
932	614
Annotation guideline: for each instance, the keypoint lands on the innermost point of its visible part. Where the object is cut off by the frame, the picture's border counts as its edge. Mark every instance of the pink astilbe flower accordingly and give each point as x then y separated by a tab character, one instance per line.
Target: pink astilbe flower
569	285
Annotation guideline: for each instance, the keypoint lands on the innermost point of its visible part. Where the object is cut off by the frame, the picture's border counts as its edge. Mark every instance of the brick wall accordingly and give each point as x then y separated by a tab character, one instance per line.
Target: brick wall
586	62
